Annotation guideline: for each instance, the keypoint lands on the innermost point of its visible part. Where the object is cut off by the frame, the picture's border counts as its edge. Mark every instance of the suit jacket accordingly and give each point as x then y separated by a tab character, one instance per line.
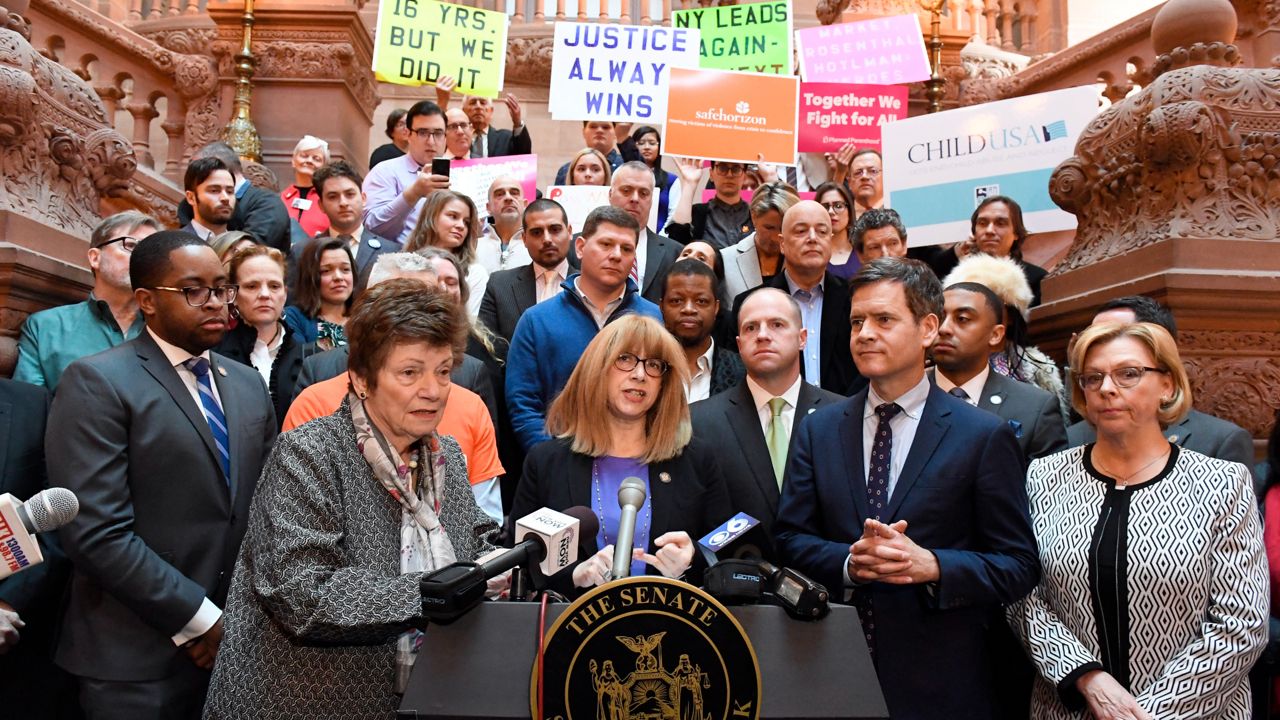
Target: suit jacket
159	523
741	266
258	212
962	492
1033	414
694	499
503	142
727	370
729	422
506	297
839	374
1202	432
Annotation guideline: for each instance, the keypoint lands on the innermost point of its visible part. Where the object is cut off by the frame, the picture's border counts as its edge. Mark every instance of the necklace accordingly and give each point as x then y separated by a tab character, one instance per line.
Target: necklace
595	481
1123	483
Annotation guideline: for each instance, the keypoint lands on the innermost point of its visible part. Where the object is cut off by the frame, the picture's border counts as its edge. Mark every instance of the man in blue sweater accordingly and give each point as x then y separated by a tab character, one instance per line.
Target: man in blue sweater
552	335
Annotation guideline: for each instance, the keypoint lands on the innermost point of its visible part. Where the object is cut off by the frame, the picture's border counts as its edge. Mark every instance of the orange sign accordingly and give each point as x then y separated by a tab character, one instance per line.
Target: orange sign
735	116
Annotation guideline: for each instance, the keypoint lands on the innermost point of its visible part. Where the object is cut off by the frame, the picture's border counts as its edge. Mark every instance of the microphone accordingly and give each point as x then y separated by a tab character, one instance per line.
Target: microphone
630	499
20	523
548	545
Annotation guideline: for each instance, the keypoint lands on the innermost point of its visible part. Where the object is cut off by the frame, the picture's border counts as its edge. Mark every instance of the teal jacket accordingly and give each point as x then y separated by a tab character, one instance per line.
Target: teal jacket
53	339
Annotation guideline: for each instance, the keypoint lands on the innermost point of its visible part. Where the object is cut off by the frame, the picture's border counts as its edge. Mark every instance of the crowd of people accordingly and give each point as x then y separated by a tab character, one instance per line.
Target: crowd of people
279	418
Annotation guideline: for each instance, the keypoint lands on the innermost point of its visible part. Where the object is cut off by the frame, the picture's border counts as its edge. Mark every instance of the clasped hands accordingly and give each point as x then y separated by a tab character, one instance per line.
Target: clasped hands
674	556
884	553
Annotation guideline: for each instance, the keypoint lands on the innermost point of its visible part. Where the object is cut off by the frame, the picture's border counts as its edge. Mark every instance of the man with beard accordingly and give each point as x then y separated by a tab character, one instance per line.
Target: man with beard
499	246
163	442
211	191
256	210
689	306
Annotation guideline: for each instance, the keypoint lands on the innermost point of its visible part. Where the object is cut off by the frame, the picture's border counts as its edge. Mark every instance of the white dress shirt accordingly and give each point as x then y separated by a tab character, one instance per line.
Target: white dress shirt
202	232
699	387
208	613
642	256
492	257
973	387
761	398
263	356
904	426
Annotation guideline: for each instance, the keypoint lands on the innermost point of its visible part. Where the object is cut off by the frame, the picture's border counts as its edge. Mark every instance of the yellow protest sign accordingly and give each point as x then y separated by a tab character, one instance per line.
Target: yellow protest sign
417	41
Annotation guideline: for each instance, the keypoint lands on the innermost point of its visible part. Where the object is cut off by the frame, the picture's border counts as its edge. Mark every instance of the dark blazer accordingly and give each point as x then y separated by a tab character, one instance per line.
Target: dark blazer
1202	432
839	374
729	422
506	296
159	523
962	492
238	344
1033	414
694	500
504	142
258	211
727	370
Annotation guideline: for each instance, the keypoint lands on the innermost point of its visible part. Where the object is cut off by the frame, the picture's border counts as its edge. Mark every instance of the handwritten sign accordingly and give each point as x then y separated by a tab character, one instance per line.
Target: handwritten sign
884	51
417	41
616	72
579	200
473	177
755	37
939	167
732	116
833	114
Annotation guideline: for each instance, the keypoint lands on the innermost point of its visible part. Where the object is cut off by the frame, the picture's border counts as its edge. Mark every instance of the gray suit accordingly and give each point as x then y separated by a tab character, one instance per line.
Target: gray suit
741	267
507	295
729	422
1033	413
1198	431
159	524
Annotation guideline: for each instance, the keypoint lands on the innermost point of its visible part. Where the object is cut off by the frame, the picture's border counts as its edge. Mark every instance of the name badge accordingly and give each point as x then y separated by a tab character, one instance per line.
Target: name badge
302	204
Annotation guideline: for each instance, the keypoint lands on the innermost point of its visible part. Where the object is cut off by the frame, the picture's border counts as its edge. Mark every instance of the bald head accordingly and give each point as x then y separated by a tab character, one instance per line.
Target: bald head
506	200
806	241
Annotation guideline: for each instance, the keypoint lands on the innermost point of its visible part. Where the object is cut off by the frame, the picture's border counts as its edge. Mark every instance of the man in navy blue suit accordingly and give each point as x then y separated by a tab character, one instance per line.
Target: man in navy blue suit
911	502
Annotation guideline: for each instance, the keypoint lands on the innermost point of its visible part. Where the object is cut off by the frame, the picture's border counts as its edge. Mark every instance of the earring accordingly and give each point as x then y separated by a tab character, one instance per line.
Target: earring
362	396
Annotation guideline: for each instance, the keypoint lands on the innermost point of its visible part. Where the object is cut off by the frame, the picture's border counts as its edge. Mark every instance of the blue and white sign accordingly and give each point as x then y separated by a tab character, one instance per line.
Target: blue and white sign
937	168
616	72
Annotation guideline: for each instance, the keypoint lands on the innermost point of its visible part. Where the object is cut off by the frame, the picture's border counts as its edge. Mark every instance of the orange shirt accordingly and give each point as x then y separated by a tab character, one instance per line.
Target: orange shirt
465	418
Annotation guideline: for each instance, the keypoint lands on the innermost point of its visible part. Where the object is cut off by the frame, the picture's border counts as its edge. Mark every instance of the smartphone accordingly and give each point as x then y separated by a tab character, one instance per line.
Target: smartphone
440	166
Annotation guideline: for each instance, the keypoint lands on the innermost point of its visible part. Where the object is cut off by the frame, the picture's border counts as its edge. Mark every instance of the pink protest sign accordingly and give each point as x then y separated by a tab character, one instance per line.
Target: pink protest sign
473	177
883	51
834	114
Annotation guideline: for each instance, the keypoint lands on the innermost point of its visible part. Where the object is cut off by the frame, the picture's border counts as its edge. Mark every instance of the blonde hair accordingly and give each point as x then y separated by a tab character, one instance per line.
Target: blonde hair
578	413
1162	348
604	162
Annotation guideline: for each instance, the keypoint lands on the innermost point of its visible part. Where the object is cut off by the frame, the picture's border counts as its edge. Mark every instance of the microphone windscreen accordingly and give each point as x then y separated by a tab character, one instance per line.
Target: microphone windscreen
588	522
51	509
631	492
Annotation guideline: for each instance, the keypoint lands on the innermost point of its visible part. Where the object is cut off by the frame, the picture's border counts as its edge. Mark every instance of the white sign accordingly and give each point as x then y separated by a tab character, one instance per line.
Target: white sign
938	167
616	72
473	177
579	200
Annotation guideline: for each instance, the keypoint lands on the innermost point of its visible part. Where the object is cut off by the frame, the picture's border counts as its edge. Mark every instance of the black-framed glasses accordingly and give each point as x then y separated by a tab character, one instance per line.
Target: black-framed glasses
837	206
198	295
126	243
653	367
1123	377
729	170
424	133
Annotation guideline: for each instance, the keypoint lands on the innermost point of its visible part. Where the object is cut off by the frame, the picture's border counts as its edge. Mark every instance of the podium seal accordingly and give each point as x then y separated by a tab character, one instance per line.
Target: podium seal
648	648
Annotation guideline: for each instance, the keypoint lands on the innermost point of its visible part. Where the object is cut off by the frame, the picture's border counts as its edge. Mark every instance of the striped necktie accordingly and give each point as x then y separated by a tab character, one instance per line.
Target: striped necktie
212	412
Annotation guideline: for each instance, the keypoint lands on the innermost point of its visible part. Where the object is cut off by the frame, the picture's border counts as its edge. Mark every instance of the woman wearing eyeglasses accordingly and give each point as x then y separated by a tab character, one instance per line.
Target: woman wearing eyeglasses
1153	599
623	414
838	201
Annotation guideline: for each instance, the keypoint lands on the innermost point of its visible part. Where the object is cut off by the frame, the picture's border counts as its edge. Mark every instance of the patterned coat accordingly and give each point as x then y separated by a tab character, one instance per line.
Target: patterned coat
318	599
1196	582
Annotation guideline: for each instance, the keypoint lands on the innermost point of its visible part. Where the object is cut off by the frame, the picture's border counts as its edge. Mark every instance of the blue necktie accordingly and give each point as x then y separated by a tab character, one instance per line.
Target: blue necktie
212	412
960	393
877	499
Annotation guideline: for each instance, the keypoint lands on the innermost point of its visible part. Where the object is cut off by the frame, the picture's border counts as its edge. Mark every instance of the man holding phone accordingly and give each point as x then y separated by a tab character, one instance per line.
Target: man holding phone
396	188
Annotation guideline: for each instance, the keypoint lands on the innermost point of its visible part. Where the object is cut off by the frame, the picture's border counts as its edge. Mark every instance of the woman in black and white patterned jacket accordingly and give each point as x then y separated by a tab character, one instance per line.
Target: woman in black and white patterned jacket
352	510
1153	599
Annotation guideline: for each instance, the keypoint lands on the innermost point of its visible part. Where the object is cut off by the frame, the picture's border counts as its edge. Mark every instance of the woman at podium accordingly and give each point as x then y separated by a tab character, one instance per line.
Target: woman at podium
623	415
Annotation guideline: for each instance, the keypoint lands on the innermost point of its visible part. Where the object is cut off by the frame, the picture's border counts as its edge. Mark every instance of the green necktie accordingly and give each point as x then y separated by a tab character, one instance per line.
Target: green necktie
776	438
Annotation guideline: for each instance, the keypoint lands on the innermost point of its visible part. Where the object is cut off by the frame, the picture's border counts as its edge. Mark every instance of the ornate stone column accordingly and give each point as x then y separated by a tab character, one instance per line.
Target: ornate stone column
1177	191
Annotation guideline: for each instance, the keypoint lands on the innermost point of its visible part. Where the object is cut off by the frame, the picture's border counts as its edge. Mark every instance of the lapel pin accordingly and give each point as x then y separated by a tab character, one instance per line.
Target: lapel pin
373	243
996	400
222	371
1173	438
664	477
811	410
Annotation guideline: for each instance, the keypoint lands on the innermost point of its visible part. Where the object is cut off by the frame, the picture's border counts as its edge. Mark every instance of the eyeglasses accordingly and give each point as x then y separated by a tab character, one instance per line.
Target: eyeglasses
126	243
866	172
729	170
424	133
837	206
1125	377
458	126
198	295
653	367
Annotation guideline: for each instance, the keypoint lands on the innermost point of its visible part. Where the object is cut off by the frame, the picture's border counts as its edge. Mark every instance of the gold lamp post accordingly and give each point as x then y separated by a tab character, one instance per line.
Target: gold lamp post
240	133
934	85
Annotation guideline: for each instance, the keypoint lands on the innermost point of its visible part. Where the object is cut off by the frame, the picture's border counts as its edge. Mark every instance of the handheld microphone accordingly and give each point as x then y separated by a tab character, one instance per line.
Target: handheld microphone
630	498
20	523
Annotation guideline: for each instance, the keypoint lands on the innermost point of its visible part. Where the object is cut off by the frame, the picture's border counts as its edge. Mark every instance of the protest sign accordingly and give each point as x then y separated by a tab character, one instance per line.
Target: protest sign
732	116
939	167
754	37
473	177
616	72
833	114
417	41
884	51
579	200
746	195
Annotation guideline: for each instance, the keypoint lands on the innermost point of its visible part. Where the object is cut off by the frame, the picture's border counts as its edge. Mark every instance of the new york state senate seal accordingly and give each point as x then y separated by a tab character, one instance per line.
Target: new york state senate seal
647	648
